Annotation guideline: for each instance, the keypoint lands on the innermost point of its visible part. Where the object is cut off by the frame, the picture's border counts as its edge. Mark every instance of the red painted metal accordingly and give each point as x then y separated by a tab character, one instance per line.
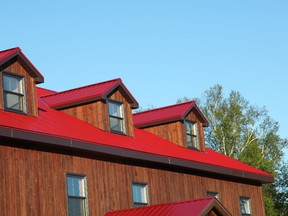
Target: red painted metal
58	124
191	208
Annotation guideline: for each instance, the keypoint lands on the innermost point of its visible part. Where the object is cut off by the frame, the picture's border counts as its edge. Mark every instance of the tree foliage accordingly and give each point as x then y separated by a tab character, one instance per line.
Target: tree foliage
247	133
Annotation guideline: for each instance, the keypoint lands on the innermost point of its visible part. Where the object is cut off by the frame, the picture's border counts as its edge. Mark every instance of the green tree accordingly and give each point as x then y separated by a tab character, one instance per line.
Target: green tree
244	132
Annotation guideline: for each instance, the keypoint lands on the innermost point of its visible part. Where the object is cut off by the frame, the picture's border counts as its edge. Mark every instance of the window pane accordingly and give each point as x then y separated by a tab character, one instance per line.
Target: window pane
12	84
115	109
140	194
117	124
13	101
245	206
76	186
76	206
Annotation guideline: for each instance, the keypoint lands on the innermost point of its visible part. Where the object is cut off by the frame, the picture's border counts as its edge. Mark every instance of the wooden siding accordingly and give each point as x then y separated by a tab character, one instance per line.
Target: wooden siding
33	182
176	132
96	113
31	97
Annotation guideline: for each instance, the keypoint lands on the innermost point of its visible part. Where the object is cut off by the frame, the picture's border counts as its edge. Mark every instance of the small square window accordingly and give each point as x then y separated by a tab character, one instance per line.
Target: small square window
245	206
77	195
140	194
192	135
116	116
14	93
213	194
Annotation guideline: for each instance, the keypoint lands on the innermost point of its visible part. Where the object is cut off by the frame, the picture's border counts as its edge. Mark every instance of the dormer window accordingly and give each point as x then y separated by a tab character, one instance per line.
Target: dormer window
192	139
116	116
14	93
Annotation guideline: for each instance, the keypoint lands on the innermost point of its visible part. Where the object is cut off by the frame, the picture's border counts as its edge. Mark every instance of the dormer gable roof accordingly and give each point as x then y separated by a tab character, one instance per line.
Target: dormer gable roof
87	94
197	207
167	114
9	55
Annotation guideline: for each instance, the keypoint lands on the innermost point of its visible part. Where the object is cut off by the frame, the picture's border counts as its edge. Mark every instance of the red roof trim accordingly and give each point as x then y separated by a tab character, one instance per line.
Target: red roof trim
9	54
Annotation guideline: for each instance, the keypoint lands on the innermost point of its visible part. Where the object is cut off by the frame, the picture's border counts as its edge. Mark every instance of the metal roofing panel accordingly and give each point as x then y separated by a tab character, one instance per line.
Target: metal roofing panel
161	114
58	124
191	208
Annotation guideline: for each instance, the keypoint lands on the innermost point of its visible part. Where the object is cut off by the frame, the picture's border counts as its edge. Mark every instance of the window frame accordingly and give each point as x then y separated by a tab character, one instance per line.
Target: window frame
193	136
248	200
120	118
83	198
146	191
20	95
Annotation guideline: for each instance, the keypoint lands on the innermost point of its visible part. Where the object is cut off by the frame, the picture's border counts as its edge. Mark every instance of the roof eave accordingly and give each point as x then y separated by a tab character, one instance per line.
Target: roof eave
13	133
205	122
134	104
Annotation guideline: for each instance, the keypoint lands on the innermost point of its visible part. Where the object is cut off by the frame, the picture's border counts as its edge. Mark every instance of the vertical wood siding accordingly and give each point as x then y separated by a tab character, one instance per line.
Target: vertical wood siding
33	182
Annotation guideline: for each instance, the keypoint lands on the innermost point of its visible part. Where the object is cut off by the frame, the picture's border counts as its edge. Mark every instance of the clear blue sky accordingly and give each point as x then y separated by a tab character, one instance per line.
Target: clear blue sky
162	49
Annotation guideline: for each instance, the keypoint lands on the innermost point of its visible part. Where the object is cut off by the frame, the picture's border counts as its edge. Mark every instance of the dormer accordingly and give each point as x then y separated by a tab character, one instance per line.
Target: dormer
18	79
106	105
182	124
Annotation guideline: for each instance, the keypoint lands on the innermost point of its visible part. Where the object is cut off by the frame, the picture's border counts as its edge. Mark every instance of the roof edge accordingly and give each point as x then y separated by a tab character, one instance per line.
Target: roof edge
18	52
13	133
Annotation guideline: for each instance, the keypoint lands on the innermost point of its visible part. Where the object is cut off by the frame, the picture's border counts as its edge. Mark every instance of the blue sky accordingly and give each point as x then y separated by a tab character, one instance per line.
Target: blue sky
162	49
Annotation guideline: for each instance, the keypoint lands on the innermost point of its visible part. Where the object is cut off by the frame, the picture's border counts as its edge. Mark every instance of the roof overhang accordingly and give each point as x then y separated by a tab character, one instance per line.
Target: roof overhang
128	154
25	62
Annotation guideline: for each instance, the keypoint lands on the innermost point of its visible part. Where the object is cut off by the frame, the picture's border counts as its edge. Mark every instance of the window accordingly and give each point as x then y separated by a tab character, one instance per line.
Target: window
245	206
77	195
14	93
192	134
212	194
116	115
140	194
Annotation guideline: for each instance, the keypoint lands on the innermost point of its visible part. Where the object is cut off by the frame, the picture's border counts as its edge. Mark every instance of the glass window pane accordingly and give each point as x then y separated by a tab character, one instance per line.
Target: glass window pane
12	84
139	194
115	109
76	206
13	101
76	186
245	206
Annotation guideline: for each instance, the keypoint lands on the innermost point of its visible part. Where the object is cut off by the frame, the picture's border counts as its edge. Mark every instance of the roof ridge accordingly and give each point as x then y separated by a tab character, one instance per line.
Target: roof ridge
165	107
16	48
82	87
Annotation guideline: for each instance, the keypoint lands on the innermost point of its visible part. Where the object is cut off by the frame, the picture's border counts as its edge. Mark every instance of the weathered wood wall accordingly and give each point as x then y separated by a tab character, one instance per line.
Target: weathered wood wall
33	182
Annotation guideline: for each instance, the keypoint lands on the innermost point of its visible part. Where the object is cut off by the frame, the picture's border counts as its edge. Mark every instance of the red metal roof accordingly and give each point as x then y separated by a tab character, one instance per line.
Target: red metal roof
58	124
86	93
166	114
190	208
8	54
